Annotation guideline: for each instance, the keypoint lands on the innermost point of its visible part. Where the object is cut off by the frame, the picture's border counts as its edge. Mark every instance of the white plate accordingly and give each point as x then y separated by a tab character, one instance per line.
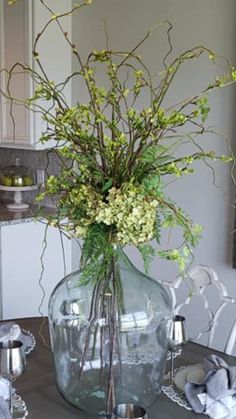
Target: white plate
196	375
18	188
26	337
19	407
173	392
188	373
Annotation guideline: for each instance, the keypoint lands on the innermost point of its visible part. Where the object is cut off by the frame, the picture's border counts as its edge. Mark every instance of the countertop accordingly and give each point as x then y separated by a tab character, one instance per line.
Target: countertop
16	217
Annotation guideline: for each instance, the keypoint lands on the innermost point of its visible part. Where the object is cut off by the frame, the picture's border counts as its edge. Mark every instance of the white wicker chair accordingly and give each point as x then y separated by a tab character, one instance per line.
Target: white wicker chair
214	331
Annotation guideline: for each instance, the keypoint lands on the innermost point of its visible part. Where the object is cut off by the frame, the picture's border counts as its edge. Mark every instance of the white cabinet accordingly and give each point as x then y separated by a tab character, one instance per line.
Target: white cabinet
16	29
21	267
19	25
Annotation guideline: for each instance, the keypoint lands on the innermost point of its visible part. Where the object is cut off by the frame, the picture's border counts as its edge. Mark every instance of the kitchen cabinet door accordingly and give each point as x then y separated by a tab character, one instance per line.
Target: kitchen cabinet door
16	38
19	25
22	264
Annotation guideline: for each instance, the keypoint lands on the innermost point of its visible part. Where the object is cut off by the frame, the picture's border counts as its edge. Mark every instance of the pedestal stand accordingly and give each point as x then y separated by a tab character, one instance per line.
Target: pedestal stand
18	204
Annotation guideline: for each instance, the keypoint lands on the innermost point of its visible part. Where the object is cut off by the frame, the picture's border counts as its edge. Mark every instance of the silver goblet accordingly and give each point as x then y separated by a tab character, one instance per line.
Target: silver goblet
176	340
12	363
128	411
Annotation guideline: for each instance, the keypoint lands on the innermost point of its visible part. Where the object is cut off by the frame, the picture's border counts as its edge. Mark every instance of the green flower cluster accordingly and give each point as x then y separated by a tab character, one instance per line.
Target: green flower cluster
129	211
133	214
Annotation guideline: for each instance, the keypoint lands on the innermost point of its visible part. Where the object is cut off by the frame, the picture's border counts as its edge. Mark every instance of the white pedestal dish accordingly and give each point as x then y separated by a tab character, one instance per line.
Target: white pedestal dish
18	204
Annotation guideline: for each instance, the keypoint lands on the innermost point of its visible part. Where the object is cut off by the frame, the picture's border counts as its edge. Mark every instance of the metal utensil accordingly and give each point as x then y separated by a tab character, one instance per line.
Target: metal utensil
177	339
12	363
128	411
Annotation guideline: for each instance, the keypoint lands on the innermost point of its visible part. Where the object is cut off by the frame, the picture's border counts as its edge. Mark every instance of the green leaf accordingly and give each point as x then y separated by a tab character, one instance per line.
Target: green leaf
158	229
151	183
107	185
148	253
155	154
203	104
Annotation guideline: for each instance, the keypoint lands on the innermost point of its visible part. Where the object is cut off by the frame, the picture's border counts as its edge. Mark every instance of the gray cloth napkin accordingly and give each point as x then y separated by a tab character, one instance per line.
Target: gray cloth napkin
4	399
4	409
217	392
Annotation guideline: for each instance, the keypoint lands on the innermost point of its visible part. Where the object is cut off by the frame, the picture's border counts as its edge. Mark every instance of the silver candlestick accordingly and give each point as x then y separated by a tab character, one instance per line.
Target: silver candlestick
12	364
177	339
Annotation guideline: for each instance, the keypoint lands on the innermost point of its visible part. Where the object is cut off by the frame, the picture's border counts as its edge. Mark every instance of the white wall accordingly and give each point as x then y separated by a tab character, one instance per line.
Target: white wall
211	23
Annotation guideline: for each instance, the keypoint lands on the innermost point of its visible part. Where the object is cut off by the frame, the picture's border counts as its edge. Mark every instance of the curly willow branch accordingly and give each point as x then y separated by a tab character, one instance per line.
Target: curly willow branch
40	282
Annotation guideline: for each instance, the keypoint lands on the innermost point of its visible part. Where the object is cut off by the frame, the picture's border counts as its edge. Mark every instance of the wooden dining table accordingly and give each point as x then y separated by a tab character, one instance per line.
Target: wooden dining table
37	386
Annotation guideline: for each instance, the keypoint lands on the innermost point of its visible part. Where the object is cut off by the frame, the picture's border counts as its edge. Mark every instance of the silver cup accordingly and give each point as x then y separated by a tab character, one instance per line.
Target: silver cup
177	339
12	363
128	411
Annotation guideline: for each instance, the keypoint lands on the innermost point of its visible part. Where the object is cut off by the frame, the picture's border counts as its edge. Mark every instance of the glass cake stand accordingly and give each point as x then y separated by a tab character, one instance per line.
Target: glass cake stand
18	204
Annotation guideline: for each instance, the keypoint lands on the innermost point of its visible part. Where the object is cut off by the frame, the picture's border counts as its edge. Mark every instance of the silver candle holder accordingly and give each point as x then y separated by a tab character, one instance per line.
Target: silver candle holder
12	364
128	411
177	339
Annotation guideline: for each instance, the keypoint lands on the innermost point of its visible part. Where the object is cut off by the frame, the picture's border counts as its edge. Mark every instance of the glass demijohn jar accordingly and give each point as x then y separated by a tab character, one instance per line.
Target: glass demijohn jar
109	337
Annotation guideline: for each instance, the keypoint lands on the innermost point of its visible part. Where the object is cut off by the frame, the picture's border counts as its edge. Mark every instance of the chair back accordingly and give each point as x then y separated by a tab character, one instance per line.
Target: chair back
209	311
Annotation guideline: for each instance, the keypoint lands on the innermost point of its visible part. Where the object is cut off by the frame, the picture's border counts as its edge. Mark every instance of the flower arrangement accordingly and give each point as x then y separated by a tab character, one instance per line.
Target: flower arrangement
118	146
115	154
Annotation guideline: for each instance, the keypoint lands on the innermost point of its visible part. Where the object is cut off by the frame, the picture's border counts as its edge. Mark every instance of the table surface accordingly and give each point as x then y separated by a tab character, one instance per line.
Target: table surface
38	389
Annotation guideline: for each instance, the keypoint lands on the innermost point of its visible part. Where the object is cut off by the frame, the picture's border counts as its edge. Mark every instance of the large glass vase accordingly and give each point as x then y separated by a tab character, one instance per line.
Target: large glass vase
109	336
